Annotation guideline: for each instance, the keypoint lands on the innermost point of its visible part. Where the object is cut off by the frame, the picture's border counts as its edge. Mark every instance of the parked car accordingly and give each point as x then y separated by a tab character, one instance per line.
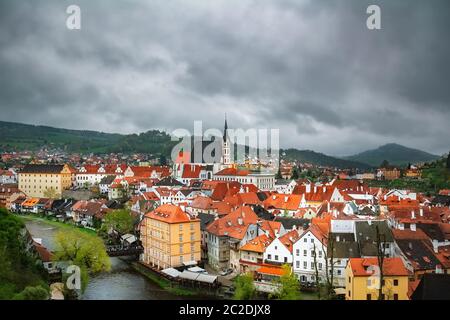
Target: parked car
226	272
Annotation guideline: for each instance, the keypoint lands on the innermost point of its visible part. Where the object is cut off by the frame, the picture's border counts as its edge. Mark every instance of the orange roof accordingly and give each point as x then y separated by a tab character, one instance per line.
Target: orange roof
271	270
169	213
391	266
289	239
259	244
273	227
248	198
233	172
30	202
283	202
201	202
234	224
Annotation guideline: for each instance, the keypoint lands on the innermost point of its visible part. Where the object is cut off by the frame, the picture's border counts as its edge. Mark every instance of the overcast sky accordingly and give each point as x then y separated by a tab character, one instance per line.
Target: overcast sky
310	68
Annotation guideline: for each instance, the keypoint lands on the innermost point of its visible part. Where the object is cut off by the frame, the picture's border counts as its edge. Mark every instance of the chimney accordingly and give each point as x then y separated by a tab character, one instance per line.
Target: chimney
286	199
324	189
413	214
315	189
308	188
421	212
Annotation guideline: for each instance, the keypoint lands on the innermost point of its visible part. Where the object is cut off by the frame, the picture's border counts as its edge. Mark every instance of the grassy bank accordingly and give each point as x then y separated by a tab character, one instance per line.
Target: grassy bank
58	224
164	283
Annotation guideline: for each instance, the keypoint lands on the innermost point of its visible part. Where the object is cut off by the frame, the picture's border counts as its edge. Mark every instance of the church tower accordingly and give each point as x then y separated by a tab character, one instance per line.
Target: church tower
226	154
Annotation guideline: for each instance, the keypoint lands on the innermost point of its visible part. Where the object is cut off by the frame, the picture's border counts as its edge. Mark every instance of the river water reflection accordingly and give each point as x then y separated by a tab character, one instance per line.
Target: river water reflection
121	283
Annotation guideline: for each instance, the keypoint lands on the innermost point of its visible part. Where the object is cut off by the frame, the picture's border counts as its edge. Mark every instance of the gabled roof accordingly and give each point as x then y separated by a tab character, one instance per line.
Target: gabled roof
258	244
289	239
391	266
235	224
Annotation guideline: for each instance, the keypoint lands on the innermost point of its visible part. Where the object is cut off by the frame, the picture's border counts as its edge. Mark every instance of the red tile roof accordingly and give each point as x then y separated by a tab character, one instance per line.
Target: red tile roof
235	224
391	266
259	244
169	213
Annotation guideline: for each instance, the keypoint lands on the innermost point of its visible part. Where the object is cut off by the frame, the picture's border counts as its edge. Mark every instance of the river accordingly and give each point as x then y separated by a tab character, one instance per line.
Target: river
121	283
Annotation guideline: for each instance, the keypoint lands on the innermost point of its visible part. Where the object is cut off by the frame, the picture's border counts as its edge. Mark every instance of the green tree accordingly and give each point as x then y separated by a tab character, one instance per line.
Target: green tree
18	269
50	193
448	161
120	221
295	174
384	164
86	251
245	287
288	285
33	293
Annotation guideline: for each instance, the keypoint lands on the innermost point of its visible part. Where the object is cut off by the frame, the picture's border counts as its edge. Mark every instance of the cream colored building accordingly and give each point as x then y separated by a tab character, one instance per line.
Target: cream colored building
45	180
170	237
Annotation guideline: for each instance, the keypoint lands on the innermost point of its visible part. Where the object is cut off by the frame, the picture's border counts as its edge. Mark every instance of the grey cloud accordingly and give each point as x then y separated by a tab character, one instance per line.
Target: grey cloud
310	68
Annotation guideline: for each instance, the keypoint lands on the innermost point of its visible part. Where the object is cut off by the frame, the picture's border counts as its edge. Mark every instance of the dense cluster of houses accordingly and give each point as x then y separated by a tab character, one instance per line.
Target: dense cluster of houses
238	220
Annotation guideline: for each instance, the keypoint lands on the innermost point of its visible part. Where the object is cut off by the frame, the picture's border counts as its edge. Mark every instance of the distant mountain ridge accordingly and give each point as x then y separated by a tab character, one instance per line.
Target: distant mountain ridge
321	159
17	136
394	153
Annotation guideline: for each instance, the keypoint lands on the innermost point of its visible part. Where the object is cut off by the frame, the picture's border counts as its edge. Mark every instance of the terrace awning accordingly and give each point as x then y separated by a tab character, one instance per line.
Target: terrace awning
171	272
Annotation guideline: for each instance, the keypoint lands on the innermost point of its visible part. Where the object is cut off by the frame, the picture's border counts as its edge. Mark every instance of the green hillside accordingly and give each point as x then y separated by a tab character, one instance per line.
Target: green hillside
17	136
321	159
394	153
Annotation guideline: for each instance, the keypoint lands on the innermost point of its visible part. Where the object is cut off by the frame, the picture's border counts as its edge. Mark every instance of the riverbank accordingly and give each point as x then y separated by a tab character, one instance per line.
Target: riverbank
127	280
166	284
54	223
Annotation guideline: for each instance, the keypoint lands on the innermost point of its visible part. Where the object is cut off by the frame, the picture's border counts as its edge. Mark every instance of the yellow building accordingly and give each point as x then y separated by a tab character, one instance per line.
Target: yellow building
45	180
361	281
170	237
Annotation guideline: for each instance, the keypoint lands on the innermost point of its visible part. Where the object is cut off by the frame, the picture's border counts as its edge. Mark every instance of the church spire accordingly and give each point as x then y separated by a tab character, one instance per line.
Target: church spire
225	129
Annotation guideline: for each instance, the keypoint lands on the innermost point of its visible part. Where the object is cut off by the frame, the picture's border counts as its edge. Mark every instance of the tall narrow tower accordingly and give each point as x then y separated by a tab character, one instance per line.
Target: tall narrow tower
226	155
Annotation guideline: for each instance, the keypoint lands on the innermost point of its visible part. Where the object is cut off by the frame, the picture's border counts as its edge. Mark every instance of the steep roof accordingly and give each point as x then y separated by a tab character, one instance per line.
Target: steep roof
391	266
235	224
433	287
289	238
258	244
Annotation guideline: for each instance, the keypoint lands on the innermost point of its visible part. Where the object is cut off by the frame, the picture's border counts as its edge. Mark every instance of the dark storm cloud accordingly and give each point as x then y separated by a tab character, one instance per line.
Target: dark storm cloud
310	68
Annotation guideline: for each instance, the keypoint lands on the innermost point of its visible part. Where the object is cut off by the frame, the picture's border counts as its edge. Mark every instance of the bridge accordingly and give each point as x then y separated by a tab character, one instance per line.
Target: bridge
121	250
